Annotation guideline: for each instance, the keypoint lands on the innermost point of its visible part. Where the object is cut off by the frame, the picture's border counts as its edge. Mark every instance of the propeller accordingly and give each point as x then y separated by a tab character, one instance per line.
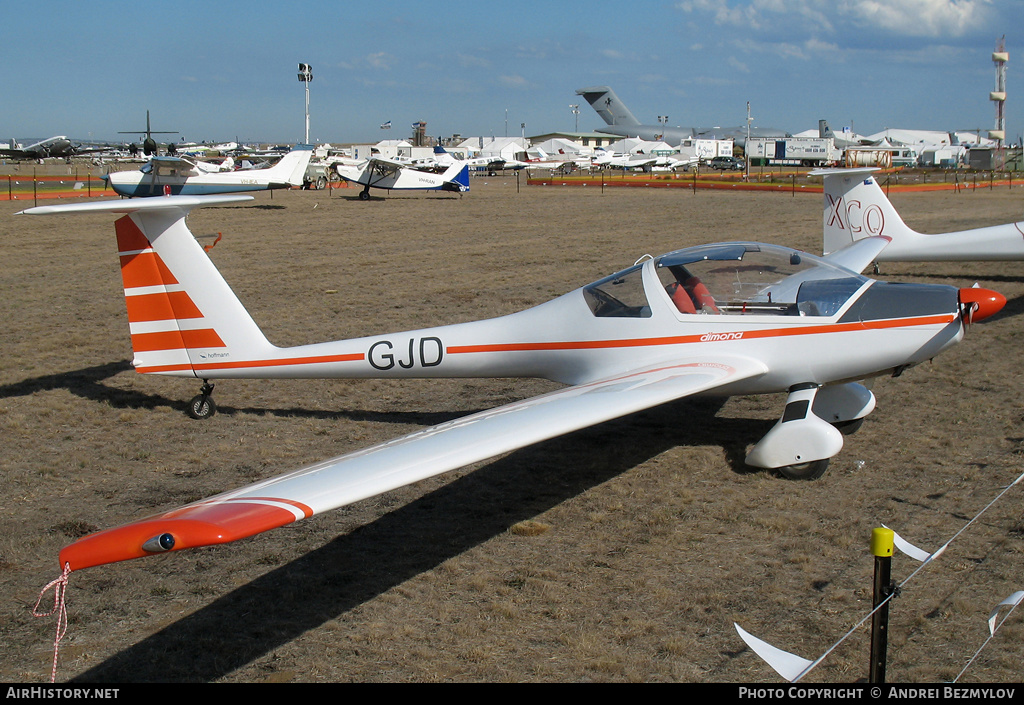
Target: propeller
977	304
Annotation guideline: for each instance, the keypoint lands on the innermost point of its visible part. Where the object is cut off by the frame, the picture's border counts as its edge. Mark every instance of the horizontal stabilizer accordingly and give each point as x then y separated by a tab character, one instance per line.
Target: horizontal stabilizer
858	255
137	204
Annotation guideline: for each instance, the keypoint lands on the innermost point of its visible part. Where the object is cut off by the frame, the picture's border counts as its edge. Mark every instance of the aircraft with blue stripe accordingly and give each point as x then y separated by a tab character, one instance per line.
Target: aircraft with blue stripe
173	176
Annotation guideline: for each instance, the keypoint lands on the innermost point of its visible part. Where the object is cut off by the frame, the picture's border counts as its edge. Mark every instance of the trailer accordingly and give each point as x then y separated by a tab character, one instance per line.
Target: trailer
792	151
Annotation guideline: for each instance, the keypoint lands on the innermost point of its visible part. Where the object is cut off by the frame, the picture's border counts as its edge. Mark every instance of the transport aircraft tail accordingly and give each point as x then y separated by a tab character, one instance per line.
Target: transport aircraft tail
603	100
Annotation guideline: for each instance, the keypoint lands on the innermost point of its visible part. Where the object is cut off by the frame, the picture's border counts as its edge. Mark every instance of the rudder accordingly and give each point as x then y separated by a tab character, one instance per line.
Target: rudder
183	317
854	208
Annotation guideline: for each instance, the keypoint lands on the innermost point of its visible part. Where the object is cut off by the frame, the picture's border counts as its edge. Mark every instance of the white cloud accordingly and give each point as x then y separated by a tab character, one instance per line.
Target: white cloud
514	81
922	18
380	60
473	61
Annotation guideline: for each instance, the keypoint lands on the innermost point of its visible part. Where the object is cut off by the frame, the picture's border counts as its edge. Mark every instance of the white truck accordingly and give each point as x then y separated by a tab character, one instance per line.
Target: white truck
792	151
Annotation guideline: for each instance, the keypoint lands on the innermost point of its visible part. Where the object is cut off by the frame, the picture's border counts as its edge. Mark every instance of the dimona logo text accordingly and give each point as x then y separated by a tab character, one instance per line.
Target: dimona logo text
709	337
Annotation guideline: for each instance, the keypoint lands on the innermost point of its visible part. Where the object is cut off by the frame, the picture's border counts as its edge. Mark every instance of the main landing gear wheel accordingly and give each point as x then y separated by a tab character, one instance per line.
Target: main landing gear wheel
804	471
364	196
202	405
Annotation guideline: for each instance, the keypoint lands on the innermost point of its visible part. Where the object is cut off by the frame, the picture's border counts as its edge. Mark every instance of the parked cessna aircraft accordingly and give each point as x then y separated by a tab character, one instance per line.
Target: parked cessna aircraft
163	176
855	207
383	173
622	122
720	319
59	146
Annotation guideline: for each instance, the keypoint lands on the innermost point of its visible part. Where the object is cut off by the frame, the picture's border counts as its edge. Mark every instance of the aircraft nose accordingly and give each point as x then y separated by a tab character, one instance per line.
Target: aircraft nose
977	304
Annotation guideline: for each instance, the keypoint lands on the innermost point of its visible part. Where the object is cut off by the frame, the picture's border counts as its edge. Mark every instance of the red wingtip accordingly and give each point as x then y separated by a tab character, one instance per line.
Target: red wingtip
203	524
985	302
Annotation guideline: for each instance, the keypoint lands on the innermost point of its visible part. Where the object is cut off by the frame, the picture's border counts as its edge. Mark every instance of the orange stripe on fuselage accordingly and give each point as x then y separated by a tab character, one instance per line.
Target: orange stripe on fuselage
245	364
684	339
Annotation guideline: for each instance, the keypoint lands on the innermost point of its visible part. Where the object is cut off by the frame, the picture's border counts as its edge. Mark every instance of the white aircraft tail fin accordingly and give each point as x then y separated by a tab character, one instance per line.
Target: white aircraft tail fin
184	318
856	208
291	169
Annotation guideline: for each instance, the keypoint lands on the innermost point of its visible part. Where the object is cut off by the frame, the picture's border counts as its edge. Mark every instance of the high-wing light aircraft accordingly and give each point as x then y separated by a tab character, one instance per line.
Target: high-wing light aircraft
58	146
180	175
622	122
379	172
855	207
720	319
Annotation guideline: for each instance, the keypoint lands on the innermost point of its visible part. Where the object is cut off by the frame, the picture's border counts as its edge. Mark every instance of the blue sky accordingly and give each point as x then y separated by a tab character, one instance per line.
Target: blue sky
220	70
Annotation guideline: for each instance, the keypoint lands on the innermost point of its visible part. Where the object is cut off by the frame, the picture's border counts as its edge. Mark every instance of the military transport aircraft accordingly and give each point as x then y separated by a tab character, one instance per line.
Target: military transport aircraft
383	173
855	207
620	121
719	319
149	145
163	176
58	146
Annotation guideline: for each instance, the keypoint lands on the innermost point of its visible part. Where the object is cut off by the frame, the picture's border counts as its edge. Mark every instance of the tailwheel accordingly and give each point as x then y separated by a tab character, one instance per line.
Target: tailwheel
202	405
805	471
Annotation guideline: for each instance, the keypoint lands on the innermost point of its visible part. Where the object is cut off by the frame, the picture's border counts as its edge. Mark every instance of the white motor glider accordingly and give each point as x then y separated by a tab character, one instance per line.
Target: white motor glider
378	172
164	176
855	207
721	319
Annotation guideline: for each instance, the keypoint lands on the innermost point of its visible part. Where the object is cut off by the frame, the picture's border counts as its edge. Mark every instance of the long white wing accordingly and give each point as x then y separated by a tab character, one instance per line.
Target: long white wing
365	473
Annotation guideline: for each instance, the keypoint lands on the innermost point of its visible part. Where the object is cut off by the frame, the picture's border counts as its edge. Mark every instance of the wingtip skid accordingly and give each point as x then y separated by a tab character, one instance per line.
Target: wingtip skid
205	524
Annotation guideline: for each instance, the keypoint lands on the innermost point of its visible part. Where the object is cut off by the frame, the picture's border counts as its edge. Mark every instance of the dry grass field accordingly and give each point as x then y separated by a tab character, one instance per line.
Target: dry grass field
621	553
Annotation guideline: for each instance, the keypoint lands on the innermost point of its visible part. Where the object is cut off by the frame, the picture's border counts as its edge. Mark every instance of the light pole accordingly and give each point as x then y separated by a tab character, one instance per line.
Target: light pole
662	120
575	108
305	76
746	147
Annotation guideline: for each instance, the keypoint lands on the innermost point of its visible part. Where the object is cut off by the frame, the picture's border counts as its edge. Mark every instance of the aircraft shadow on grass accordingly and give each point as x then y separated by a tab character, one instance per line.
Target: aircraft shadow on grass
363	564
88	383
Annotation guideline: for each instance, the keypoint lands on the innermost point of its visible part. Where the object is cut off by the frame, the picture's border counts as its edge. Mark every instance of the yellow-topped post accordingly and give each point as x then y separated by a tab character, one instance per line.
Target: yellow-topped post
882	542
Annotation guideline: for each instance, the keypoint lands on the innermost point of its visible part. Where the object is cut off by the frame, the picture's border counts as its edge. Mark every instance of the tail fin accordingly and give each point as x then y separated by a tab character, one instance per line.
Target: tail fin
458	176
608	106
184	318
291	169
856	208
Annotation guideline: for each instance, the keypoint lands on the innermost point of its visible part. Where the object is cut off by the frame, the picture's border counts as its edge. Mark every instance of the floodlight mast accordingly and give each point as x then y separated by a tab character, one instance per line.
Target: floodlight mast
305	76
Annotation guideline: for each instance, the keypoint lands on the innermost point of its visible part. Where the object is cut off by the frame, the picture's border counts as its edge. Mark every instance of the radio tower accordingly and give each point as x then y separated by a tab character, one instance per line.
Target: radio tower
998	96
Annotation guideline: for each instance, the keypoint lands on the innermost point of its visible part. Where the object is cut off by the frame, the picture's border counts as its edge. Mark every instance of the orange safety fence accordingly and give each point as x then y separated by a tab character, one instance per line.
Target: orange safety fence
792	183
31	187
